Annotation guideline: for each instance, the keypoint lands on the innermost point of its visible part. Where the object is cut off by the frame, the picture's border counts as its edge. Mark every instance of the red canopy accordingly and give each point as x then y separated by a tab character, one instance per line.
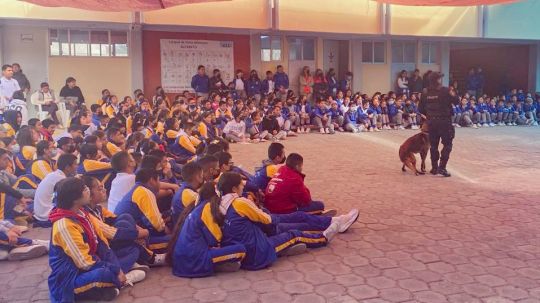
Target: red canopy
116	5
447	2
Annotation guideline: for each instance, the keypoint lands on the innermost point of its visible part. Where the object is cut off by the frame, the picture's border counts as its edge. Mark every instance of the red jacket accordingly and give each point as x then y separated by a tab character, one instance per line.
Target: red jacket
286	192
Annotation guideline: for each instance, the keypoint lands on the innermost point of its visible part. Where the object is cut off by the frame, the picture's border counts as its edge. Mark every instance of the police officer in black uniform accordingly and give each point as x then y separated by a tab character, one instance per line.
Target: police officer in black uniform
436	105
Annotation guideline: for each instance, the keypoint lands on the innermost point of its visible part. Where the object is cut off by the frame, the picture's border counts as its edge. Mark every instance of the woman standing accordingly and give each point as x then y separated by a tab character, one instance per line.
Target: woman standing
306	83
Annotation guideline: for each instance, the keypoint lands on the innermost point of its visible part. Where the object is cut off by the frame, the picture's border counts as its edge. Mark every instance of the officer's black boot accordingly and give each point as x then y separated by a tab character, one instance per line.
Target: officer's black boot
434	167
442	170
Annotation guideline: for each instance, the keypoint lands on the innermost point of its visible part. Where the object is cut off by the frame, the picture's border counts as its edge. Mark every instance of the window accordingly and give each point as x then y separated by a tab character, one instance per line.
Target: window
100	43
79	42
430	52
301	49
119	44
59	42
373	52
403	51
270	48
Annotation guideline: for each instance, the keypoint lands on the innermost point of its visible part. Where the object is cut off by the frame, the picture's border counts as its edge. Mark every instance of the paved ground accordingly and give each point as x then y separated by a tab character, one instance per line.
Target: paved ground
470	238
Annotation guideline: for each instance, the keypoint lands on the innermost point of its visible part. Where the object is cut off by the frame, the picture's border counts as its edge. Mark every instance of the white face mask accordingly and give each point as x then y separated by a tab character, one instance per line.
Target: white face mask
391	101
15	148
354	108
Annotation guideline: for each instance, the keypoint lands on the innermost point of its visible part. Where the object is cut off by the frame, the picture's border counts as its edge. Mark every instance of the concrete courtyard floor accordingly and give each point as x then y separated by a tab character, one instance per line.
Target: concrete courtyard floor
474	237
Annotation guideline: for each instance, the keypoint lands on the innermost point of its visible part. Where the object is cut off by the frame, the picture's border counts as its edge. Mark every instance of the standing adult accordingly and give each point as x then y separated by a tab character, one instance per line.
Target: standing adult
46	98
403	83
320	85
332	81
480	79
470	83
346	84
8	85
281	83
200	82
217	85
253	86
436	105
18	75
306	83
415	82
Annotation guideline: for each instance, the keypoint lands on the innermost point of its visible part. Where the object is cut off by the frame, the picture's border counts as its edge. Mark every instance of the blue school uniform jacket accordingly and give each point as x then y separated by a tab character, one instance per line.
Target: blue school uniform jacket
528	107
182	198
281	79
264	173
351	117
392	109
101	170
183	146
242	225
23	158
69	256
492	109
140	202
482	108
374	110
253	87
199	234
319	112
334	113
307	108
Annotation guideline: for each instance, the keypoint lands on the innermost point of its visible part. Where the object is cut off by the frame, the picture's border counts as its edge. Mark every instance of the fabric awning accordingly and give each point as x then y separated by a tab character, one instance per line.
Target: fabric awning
446	2
116	5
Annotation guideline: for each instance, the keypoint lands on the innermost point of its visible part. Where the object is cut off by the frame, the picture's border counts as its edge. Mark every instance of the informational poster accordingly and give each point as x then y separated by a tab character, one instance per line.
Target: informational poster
180	59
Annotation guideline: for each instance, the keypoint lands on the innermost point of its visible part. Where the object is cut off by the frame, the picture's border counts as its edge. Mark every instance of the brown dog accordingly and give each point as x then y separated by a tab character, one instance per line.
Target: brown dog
418	143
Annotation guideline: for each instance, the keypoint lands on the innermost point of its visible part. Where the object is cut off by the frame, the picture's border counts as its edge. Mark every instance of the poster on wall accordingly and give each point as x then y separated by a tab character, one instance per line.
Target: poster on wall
180	58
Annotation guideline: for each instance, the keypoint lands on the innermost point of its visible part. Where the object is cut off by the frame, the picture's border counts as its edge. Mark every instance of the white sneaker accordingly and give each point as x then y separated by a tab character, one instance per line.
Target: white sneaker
159	260
45	243
474	126
347	220
416	127
377	129
294	250
27	252
228	266
458	126
322	131
514	124
485	125
371	129
401	127
3	254
142	267
135	276
330	232
535	123
327	130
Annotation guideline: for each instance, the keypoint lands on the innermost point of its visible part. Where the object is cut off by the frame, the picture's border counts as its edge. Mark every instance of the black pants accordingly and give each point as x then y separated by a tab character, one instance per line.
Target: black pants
52	109
440	131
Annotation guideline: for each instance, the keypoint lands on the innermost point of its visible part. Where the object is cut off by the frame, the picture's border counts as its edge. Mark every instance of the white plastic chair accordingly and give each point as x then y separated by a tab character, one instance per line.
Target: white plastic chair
41	115
64	113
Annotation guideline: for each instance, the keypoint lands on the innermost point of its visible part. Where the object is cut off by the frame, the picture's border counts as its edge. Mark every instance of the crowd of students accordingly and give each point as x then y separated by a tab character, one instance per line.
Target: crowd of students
134	184
172	192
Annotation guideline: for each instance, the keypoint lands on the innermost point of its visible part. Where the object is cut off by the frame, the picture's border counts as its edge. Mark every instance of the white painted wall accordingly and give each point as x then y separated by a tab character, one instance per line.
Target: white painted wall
31	55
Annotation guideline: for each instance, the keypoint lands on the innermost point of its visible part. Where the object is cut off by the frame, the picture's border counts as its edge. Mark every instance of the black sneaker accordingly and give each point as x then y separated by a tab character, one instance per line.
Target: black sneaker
433	171
443	172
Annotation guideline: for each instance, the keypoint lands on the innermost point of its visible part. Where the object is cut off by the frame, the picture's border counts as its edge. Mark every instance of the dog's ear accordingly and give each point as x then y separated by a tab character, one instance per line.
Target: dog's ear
425	128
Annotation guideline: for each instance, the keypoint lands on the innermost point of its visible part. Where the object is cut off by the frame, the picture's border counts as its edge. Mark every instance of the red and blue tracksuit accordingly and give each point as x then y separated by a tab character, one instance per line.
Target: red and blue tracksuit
197	249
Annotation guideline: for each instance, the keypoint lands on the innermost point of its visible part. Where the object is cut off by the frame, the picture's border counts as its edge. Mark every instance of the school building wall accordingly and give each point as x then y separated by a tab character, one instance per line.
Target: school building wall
152	55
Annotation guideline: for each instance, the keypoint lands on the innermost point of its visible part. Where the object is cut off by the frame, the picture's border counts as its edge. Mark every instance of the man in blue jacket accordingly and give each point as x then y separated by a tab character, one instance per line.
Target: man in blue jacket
200	82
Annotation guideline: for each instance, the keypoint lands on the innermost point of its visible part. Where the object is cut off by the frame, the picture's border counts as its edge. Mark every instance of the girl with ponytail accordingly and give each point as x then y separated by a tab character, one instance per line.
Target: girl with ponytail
194	250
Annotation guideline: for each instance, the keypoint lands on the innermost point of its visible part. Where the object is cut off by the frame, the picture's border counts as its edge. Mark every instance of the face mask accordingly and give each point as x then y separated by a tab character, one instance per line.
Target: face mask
15	148
354	108
54	152
349	78
390	101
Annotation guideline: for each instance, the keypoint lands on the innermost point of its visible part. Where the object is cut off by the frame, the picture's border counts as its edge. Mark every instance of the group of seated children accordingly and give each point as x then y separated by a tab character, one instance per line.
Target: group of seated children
516	108
173	197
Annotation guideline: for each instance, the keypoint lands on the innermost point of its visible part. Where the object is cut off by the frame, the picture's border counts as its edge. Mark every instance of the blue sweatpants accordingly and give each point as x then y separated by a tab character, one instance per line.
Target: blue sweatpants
290	238
231	253
128	251
4	242
90	281
300	221
314	208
